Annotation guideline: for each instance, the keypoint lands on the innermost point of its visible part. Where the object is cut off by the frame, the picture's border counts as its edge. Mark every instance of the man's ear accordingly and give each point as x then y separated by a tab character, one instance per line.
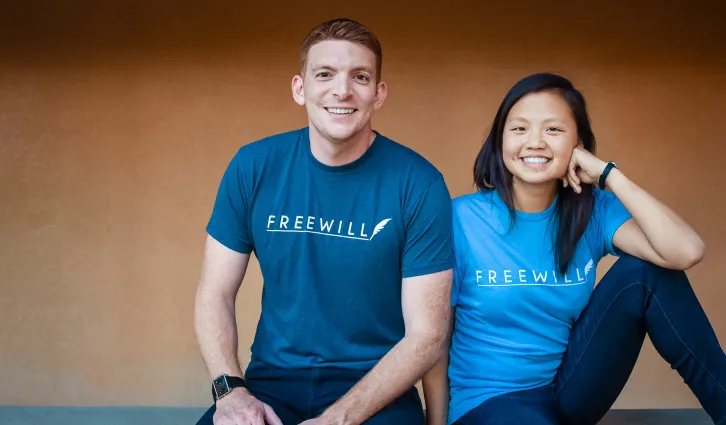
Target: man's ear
381	92
298	93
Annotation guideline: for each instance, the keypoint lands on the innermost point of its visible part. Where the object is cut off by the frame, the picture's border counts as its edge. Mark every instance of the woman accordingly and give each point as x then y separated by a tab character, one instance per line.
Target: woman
532	342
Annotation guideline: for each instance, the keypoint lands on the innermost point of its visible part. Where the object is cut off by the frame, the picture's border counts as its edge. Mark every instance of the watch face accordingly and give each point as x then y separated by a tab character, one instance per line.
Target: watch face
221	387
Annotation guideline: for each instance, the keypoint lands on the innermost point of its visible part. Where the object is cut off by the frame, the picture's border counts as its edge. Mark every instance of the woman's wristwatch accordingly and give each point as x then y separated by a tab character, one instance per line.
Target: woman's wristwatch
605	172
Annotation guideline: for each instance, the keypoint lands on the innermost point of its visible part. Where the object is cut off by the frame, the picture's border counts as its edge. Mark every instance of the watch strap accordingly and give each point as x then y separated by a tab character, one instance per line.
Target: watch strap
601	182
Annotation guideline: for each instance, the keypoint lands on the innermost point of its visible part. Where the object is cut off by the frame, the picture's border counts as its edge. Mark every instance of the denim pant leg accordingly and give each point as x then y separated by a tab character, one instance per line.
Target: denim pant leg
406	409
530	407
330	384
634	298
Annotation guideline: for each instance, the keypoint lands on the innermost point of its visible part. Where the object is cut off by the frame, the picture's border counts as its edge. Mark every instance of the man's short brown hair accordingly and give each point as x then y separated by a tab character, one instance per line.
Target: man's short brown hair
342	29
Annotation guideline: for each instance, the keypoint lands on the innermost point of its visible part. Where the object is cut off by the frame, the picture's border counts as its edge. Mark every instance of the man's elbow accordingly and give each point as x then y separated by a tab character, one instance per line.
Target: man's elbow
432	341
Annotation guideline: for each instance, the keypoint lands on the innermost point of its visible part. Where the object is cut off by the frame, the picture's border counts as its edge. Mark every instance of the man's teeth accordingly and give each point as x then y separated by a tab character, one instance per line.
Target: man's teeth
340	111
536	160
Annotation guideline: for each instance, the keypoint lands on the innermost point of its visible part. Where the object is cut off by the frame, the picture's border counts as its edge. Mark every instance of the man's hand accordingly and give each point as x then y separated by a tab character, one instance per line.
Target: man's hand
241	408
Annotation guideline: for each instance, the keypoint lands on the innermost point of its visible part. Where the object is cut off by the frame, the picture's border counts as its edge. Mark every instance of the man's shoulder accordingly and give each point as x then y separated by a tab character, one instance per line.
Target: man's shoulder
270	145
408	160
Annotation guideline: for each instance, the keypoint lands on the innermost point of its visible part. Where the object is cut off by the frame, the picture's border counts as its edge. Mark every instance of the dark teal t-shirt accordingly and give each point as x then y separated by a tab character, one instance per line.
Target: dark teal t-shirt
333	244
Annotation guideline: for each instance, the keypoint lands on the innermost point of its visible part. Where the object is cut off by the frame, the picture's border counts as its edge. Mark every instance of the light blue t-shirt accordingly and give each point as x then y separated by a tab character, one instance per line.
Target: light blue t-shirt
333	245
514	312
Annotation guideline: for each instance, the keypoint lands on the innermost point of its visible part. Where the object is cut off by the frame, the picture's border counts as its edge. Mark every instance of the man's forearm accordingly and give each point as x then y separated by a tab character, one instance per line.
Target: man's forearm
394	374
216	330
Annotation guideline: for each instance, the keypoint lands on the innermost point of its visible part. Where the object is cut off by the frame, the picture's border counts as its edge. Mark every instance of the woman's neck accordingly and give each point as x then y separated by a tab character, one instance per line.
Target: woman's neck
533	198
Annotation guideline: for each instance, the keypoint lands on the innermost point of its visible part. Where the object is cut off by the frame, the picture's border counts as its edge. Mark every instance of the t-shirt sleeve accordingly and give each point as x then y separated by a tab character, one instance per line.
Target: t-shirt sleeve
229	222
611	214
427	245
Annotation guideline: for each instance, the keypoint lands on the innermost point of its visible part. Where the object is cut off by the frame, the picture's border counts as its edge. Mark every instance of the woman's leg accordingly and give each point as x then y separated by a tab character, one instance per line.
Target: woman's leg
530	407
633	298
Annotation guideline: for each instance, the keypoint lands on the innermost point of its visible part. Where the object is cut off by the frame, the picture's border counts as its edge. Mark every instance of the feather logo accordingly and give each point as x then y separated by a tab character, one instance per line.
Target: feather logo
588	267
379	227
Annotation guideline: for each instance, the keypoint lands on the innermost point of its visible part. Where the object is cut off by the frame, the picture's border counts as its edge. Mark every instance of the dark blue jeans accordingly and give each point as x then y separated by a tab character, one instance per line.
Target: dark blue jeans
632	299
298	395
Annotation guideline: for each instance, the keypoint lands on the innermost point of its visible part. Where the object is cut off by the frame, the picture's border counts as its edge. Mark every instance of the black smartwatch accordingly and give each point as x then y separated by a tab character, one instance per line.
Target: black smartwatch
605	172
223	384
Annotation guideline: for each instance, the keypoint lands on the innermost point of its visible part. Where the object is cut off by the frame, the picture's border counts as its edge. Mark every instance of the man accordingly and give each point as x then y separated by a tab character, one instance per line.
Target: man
353	235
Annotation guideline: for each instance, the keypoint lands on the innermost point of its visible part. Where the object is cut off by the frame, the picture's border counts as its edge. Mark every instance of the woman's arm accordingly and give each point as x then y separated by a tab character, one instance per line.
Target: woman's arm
655	233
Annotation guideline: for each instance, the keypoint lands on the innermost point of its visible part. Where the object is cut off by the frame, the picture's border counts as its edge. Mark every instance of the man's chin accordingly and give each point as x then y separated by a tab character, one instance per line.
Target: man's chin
340	135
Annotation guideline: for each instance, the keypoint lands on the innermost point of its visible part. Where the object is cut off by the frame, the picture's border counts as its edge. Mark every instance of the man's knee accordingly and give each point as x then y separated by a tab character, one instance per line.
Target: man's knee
208	417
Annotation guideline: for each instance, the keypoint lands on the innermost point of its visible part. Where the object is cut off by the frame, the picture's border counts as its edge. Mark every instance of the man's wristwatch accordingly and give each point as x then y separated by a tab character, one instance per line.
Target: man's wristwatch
605	172
224	384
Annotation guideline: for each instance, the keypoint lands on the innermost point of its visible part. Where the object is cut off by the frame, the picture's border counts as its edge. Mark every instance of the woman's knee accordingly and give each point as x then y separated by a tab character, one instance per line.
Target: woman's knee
630	269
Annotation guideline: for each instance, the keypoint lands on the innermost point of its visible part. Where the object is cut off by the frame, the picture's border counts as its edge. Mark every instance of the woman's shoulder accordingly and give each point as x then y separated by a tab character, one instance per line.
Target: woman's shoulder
605	202
473	205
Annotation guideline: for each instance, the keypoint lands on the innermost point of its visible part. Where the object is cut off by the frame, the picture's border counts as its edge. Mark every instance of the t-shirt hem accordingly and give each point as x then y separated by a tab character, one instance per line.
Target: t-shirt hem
357	365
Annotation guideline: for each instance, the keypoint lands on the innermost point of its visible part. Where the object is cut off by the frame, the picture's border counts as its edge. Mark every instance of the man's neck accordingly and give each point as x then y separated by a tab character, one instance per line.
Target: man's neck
340	152
533	198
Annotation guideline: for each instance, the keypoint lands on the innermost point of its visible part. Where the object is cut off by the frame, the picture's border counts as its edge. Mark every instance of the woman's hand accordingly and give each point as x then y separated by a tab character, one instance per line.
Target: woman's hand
584	167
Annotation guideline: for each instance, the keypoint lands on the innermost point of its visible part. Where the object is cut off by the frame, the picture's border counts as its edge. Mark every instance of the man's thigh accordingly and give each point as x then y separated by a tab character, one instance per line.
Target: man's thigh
405	410
279	389
286	415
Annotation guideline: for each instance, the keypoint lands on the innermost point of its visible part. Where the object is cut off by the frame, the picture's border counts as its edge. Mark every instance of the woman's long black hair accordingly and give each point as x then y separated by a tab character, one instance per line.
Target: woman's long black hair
573	210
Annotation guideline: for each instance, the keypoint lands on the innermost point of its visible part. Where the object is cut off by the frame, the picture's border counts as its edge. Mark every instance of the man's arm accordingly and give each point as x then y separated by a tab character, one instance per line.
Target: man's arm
436	384
216	330
425	302
214	311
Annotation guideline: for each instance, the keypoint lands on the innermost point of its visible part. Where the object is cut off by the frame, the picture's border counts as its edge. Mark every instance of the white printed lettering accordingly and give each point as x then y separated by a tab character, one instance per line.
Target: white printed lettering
326	227
539	277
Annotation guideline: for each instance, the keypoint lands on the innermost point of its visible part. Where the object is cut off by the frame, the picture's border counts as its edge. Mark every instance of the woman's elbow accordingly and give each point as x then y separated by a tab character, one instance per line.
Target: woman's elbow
692	254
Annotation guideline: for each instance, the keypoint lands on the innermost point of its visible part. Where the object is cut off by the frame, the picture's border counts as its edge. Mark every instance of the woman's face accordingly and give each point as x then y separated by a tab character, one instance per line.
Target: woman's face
539	136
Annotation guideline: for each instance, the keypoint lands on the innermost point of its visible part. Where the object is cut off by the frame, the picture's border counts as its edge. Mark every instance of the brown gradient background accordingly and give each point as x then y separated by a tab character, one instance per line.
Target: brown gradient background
118	118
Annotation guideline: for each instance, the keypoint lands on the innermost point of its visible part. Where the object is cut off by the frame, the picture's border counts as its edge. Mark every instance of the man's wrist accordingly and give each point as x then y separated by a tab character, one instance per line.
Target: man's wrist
336	415
224	384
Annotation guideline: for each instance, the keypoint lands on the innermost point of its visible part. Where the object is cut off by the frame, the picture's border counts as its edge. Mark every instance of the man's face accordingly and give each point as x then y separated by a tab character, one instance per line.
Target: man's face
339	89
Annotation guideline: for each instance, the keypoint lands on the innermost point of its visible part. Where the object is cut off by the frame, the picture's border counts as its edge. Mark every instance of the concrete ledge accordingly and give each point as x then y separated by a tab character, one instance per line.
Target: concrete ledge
12	415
